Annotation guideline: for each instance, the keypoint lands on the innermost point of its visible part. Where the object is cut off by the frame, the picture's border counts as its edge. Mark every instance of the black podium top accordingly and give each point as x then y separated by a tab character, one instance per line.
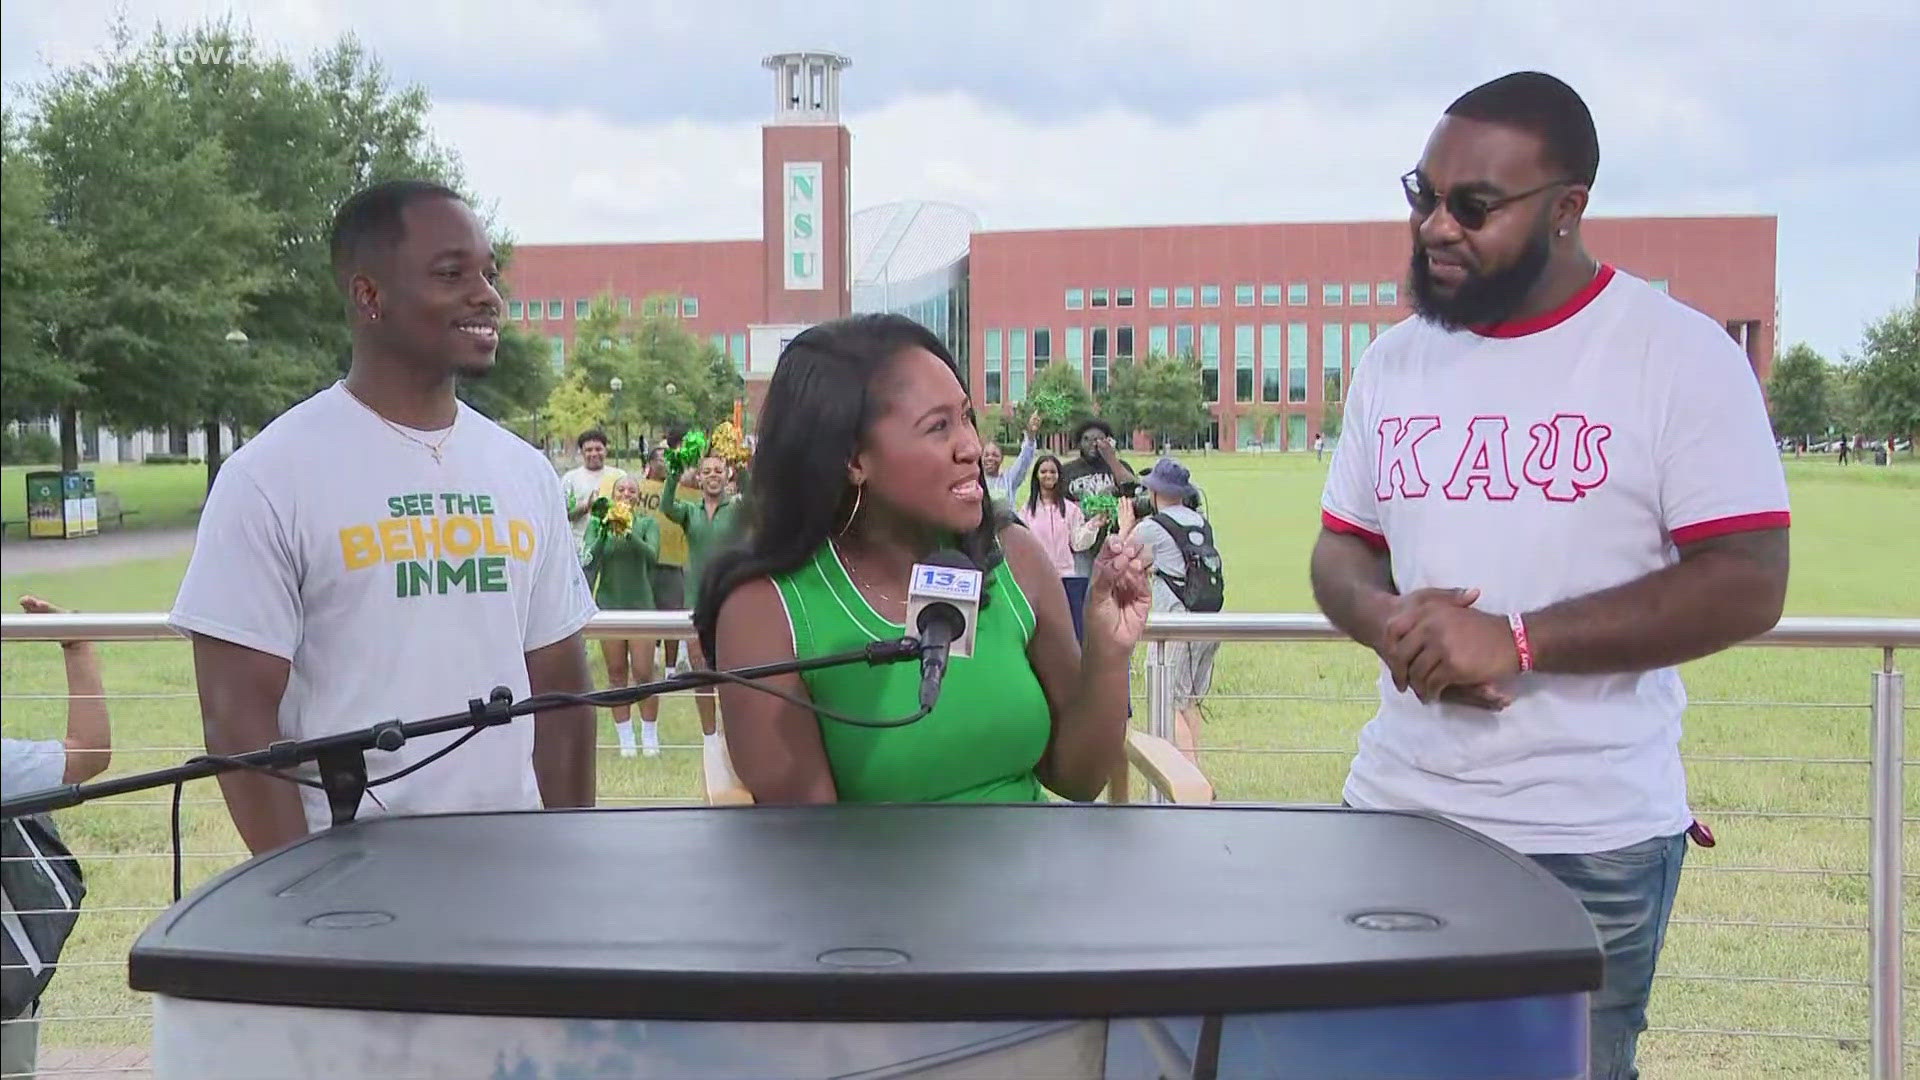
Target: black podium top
845	913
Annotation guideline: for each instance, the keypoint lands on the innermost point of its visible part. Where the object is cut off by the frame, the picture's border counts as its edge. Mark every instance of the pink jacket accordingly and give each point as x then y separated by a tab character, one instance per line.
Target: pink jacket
1061	534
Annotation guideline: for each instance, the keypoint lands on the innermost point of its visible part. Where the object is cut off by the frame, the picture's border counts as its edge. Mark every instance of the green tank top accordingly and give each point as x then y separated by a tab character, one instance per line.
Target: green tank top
985	735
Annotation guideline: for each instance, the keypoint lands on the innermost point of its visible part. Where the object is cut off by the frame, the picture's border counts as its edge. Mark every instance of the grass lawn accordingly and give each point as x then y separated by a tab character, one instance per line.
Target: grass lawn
1283	720
164	495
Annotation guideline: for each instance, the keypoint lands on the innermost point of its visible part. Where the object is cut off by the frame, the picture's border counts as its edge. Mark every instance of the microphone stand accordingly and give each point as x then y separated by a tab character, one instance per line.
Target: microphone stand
341	759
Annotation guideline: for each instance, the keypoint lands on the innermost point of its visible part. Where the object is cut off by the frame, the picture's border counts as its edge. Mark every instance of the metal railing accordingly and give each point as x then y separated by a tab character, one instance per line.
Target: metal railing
1885	763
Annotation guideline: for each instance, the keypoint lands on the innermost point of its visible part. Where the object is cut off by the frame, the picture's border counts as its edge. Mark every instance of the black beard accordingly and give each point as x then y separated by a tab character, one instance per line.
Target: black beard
1482	299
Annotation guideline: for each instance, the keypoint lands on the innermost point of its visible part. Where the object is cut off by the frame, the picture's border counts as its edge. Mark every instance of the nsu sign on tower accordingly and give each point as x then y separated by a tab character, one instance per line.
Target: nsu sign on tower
802	225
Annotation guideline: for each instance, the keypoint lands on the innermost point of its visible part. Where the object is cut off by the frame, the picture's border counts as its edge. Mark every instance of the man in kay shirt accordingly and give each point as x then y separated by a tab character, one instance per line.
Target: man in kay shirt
1576	481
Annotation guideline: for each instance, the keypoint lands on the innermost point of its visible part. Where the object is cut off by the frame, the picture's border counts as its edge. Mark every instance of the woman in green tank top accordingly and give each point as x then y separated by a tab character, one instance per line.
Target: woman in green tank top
868	461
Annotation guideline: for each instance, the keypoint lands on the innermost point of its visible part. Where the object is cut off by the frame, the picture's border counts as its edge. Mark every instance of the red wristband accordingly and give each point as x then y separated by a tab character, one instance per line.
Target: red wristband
1520	643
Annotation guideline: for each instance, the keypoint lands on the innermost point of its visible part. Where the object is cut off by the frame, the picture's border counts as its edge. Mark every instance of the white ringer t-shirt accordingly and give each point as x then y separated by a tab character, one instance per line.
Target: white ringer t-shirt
1538	462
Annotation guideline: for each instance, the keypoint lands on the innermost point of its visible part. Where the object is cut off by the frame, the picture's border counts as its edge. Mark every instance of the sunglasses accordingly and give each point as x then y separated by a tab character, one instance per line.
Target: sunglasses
1470	209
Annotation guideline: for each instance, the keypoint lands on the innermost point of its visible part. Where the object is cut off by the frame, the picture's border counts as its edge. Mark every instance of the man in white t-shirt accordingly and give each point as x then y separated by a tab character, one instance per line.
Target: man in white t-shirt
382	551
1576	480
589	480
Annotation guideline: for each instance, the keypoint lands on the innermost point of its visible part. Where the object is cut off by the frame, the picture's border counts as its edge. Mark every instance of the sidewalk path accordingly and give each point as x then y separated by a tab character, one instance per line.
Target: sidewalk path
19	555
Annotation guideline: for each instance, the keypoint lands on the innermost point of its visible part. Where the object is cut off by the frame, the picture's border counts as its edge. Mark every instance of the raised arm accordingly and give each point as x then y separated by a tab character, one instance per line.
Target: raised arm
775	745
676	509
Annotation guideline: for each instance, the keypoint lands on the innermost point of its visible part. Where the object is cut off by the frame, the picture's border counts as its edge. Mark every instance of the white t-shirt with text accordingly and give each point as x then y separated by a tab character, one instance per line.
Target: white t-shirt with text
1538	463
396	586
581	485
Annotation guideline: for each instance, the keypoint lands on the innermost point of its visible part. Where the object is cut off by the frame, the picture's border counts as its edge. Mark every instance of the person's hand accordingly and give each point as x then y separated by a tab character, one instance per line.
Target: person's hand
1119	595
33	605
1100	521
1033	424
1127	515
600	507
1435	640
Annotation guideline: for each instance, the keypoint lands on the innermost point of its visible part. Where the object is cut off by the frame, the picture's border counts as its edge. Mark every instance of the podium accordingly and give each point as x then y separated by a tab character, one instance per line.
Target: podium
1067	941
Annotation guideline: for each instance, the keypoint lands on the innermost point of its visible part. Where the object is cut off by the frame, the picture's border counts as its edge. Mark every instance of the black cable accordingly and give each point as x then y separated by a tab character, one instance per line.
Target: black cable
598	699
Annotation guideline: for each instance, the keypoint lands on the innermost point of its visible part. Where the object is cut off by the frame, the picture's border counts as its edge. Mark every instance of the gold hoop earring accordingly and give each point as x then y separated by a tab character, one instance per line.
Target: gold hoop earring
859	492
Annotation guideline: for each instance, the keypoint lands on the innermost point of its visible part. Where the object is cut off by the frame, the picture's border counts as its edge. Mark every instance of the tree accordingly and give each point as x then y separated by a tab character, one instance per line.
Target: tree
1060	396
174	248
40	268
1254	418
1171	398
573	407
1331	419
1798	395
1889	376
1123	404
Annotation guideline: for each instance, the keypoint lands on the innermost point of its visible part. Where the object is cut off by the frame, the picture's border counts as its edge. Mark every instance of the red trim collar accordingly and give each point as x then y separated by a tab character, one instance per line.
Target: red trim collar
1548	320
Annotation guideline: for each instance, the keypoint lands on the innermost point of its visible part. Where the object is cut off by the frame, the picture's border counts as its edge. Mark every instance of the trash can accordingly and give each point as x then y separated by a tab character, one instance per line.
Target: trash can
61	505
1078	942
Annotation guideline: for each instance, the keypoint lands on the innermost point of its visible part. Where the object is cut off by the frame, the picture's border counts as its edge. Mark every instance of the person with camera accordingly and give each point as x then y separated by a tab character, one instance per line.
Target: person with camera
1186	577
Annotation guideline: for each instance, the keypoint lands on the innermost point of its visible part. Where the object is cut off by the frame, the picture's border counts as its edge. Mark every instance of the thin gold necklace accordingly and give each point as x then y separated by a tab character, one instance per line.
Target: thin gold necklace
858	581
432	447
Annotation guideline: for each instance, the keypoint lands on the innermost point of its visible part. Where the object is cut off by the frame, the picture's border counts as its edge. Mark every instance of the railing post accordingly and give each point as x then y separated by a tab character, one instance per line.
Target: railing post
1885	924
1159	699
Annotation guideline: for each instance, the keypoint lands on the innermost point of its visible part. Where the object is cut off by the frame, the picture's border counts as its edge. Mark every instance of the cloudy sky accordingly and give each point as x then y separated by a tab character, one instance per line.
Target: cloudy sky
640	120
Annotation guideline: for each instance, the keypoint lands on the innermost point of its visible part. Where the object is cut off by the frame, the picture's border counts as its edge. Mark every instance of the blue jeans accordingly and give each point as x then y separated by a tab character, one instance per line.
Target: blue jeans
1077	604
1629	894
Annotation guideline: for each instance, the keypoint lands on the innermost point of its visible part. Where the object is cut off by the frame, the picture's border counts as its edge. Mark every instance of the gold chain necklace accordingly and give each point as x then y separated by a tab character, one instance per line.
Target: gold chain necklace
432	447
858	581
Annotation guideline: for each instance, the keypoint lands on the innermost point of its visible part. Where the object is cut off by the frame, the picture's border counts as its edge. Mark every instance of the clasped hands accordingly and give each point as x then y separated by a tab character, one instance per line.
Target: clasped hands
1438	646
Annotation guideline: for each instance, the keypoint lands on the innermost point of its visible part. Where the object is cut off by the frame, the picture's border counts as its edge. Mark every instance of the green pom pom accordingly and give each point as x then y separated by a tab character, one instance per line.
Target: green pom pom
1100	503
692	448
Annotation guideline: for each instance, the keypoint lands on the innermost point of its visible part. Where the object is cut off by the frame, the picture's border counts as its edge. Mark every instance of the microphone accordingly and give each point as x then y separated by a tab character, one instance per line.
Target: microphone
943	605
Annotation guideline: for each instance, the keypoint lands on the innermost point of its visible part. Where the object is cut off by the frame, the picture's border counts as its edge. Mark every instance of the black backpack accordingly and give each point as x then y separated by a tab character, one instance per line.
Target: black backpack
1204	587
42	885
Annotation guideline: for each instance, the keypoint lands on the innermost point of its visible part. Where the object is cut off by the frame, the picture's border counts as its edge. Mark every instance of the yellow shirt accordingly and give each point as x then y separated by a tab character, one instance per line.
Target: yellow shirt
673	539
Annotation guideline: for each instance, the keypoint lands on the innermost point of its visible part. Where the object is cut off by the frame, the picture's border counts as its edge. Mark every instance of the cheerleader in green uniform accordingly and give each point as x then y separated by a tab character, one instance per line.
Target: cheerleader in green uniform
622	545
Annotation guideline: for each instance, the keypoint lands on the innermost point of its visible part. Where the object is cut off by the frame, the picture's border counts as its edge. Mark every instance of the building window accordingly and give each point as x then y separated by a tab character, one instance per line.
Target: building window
1016	366
1042	348
535	309
1183	296
719	342
1331	294
1387	293
1243	296
1123	342
1076	299
1076	345
1297	431
737	348
1659	283
1099	298
581	307
1157	341
1297	293
1156	298
994	365
1358	336
1270	362
559	347
515	309
1183	341
689	307
1269	296
1243	363
1209	296
1210	362
1332	340
556	309
654	306
626	305
1296	361
1123	298
1359	294
1097	366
